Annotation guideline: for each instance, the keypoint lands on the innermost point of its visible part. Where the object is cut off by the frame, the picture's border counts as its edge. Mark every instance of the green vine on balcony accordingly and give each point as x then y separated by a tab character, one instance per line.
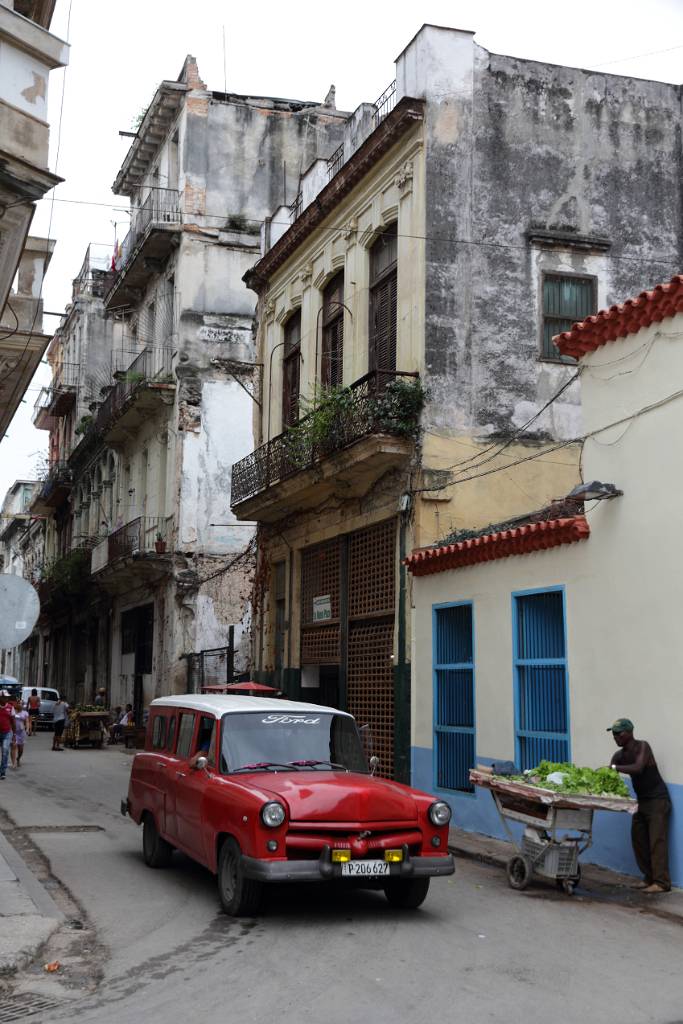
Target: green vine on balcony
83	424
67	580
338	416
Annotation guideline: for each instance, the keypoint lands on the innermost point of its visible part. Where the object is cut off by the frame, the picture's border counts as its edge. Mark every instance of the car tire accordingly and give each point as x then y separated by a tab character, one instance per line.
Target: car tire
155	850
239	896
407	894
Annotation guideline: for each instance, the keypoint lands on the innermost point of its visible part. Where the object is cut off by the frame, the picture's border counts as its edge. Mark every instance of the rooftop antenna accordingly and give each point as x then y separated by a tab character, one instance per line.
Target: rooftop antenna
225	66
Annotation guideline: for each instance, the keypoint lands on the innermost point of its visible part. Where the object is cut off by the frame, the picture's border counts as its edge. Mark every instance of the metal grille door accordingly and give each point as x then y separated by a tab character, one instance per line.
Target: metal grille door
320	604
370	687
454	735
371	599
542	706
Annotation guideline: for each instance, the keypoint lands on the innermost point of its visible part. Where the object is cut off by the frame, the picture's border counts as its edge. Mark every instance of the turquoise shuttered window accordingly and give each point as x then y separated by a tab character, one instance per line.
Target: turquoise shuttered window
540	667
454	731
565	300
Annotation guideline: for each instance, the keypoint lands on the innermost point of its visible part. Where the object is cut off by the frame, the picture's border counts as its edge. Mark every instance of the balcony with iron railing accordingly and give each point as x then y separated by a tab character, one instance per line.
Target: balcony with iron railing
96	273
54	489
55	400
145	383
350	438
149	241
136	552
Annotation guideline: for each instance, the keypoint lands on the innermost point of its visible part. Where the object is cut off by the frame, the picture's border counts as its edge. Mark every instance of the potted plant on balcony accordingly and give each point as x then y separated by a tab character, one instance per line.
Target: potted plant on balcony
159	544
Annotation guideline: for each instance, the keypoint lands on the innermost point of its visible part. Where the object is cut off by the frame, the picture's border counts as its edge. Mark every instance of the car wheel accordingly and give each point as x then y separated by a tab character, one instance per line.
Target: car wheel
156	851
408	894
239	896
519	872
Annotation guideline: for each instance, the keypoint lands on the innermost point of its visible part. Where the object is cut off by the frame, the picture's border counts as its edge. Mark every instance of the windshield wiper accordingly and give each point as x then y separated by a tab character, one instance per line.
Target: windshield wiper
262	765
313	764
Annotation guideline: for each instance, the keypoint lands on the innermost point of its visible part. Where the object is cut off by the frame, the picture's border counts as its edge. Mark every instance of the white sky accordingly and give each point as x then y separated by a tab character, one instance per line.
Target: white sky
120	51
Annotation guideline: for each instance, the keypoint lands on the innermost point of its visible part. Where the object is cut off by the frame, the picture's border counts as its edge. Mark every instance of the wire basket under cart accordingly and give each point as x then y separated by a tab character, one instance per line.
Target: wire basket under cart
558	828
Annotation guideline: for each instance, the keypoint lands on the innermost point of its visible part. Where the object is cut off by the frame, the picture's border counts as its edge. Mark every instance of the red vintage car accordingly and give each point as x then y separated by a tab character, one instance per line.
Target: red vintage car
263	790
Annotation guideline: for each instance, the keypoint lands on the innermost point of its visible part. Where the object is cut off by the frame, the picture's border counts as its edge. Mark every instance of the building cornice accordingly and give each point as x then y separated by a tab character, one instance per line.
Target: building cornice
406	114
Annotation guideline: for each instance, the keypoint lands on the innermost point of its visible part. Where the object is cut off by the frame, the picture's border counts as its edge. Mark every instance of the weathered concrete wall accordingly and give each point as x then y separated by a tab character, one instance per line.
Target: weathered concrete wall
255	151
513	146
206	523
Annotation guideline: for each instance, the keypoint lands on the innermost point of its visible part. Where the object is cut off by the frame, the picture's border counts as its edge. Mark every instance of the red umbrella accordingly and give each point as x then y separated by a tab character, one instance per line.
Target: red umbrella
250	687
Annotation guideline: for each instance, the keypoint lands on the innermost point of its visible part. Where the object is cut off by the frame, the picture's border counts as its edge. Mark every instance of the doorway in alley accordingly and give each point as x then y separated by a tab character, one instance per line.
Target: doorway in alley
348	598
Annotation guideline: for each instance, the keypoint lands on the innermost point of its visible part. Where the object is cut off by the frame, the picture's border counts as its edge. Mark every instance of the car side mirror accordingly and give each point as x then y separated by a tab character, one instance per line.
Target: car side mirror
374	764
201	763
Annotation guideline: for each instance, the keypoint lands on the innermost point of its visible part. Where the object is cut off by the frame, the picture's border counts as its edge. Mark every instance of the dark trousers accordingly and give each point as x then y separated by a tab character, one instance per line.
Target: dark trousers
650	838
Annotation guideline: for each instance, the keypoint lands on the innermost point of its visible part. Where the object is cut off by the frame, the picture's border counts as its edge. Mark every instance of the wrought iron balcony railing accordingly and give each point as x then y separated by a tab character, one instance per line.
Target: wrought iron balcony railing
369	406
59	476
94	276
161	207
150	366
141	536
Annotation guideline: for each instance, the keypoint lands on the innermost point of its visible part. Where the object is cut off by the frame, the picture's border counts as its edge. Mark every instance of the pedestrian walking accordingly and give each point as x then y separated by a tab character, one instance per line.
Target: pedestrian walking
59	713
21	722
33	711
650	823
7	729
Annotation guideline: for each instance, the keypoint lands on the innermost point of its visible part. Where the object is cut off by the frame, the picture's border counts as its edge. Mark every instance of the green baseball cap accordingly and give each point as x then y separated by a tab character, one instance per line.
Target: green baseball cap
621	725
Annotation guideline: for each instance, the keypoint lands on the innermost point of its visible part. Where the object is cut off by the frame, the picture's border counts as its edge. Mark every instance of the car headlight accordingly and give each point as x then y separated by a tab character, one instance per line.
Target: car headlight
272	814
439	813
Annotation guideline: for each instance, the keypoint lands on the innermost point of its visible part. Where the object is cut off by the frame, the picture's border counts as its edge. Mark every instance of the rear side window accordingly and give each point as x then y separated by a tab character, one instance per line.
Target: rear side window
185	730
159	732
49	694
171	735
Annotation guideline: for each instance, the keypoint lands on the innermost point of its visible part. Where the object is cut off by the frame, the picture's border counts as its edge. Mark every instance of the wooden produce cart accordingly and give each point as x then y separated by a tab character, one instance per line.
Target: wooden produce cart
558	827
86	727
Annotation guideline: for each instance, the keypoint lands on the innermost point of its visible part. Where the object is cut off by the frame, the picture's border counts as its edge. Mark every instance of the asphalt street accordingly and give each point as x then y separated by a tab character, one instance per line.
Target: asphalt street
475	952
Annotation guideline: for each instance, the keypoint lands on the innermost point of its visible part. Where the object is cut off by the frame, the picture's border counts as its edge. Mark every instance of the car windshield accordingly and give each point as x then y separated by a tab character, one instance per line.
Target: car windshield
321	741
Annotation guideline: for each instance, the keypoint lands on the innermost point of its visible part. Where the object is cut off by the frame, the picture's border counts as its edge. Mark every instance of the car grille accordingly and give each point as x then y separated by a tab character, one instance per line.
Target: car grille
306	841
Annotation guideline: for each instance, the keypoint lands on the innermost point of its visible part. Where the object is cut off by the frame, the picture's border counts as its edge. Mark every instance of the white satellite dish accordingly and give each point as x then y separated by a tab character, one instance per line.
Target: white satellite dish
19	609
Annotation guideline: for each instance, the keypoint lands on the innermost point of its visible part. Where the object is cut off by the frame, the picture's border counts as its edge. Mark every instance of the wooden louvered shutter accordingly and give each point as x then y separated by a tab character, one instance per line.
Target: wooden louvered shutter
291	371
383	304
383	324
332	362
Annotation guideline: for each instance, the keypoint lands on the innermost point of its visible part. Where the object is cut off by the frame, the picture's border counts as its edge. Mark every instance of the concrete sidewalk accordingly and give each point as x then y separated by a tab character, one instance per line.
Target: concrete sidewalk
597	884
28	916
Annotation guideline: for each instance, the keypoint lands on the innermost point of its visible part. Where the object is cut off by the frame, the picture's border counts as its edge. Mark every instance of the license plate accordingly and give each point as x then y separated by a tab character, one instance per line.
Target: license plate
365	868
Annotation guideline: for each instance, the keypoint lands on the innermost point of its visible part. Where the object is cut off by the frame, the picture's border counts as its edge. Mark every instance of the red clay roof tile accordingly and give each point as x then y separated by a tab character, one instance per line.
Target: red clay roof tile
520	541
649	307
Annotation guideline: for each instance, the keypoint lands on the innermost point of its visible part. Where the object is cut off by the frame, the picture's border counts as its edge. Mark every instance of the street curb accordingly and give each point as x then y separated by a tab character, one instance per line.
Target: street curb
44	903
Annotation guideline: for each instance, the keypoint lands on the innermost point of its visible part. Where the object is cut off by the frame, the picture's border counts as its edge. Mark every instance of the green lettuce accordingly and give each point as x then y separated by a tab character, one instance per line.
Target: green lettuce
591	781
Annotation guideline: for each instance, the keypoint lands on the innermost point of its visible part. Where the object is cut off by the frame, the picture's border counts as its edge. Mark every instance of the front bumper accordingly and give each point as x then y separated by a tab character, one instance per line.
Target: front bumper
323	870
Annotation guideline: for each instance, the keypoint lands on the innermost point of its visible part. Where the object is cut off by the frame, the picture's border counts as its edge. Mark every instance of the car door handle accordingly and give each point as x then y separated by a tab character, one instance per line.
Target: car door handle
161	764
180	775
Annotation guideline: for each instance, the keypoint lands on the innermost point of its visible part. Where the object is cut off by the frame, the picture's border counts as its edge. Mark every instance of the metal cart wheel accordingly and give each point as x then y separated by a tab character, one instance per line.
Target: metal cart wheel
519	872
569	884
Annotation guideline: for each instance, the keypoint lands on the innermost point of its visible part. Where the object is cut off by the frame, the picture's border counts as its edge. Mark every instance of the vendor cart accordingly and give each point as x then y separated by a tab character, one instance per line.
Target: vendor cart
86	727
558	827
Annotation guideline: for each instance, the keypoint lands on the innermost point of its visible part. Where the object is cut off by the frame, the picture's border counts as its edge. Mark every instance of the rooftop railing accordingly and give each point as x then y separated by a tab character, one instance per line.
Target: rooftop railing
335	162
384	104
361	414
296	207
95	273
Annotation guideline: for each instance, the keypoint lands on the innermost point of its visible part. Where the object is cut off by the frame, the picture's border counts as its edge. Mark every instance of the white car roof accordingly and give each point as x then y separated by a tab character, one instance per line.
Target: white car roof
223	703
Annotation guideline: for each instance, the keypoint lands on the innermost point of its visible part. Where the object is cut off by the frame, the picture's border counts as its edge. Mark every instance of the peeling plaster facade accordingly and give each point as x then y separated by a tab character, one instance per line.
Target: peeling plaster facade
28	53
511	170
166	395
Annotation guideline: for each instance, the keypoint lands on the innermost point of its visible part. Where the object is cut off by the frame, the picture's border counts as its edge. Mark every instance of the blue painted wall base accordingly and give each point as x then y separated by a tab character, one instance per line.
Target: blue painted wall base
611	832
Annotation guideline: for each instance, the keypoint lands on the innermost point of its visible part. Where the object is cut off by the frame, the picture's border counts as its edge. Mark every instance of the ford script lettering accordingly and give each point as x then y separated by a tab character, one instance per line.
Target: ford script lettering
288	720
